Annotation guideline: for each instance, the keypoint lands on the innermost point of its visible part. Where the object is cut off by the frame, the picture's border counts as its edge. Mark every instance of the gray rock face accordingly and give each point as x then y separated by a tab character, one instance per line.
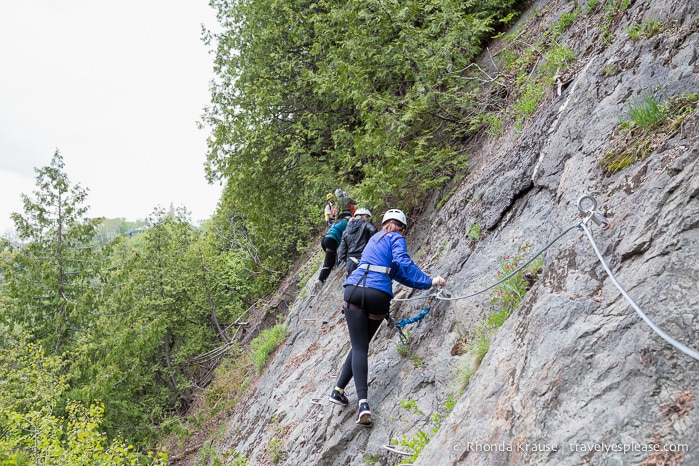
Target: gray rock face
575	375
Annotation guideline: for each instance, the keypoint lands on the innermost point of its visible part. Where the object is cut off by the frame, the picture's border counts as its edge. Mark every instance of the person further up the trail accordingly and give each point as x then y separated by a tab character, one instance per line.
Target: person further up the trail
355	237
345	204
329	209
330	243
367	299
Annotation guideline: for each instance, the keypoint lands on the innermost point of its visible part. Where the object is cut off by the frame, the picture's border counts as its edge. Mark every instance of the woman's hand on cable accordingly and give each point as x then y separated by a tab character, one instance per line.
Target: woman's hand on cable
438	281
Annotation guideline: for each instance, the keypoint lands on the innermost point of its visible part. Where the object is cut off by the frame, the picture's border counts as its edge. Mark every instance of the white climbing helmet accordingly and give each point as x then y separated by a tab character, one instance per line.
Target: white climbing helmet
395	214
362	211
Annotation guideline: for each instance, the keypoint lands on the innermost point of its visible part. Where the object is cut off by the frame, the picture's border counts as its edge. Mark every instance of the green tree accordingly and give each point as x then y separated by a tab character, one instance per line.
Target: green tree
130	359
163	305
271	138
32	428
367	94
49	279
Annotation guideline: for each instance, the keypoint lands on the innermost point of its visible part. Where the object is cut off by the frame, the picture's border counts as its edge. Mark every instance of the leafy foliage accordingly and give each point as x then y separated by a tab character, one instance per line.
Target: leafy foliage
32	429
135	319
167	302
312	95
420	440
509	294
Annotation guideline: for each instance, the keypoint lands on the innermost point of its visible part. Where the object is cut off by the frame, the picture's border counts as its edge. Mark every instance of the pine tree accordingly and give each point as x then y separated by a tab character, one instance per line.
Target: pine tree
48	279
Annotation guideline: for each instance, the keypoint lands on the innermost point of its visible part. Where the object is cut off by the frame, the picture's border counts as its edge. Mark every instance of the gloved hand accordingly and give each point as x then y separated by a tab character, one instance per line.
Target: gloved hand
438	281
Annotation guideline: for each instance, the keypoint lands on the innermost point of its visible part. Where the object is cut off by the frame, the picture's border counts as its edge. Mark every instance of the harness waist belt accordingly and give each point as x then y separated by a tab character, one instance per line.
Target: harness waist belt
354	259
376	268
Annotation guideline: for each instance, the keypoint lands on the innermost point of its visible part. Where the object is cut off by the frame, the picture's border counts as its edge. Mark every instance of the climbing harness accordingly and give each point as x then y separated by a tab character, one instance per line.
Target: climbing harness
587	206
375	268
417	318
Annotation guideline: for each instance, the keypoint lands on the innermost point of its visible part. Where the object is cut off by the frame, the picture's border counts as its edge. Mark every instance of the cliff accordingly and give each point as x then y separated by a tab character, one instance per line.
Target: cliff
574	375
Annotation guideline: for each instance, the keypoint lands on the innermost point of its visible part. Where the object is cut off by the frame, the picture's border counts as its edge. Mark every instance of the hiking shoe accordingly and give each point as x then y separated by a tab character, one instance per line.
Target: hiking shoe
363	414
338	398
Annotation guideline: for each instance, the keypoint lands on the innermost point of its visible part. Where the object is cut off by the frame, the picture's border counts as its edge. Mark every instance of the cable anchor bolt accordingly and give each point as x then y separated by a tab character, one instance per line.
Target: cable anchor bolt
587	205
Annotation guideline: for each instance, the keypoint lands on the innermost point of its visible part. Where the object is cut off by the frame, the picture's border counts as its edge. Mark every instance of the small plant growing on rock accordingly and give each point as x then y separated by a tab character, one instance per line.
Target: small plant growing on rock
404	351
480	347
614	7
411	405
465	368
239	460
474	233
647	127
209	455
442	248
508	295
275	449
646	112
418	442
591	6
564	22
403	346
647	29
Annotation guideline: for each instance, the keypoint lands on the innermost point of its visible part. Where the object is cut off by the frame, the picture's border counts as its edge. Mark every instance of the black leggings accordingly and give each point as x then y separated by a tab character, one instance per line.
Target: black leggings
329	245
361	331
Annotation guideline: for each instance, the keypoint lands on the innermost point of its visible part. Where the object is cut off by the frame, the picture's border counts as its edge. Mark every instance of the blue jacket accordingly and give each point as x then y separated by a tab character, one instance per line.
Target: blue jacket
335	231
388	250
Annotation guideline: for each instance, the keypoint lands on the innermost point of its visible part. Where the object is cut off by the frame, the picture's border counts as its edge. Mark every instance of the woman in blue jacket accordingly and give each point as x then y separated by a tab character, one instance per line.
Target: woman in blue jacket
367	299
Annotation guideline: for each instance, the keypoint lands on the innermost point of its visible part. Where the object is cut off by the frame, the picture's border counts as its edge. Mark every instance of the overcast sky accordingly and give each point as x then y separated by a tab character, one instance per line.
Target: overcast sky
117	87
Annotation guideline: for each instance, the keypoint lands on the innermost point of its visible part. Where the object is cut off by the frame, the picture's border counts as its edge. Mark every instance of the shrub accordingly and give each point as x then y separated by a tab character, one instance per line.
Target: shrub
265	344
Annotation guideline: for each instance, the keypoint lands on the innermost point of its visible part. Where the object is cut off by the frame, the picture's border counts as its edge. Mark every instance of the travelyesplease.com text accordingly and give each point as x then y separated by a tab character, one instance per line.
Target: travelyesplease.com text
584	447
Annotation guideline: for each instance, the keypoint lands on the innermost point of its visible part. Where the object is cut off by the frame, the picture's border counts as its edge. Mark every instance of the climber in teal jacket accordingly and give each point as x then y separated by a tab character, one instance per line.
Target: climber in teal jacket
330	242
367	299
